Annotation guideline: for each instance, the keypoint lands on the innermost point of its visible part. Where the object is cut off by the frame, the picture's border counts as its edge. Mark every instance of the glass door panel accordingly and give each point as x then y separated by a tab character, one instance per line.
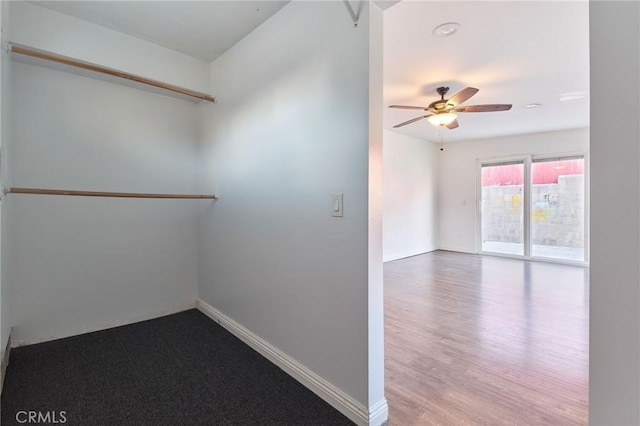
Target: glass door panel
502	213
558	208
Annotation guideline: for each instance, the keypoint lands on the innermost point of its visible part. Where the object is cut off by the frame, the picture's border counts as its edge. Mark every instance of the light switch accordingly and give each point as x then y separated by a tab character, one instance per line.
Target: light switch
336	205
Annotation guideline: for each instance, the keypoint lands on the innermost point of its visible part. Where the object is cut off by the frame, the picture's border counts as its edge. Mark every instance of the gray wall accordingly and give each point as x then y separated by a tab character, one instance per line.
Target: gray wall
502	213
557	213
614	357
289	129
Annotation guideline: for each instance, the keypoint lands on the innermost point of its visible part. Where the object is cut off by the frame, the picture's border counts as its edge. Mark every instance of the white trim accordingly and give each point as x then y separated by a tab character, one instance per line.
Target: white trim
478	221
5	362
337	398
456	249
587	208
99	327
379	413
406	255
527	226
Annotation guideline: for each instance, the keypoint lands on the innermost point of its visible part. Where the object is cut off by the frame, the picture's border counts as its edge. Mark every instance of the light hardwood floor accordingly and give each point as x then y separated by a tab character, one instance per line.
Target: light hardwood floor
480	340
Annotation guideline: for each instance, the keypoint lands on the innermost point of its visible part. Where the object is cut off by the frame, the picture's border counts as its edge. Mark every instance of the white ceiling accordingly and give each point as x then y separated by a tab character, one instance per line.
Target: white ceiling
513	51
202	29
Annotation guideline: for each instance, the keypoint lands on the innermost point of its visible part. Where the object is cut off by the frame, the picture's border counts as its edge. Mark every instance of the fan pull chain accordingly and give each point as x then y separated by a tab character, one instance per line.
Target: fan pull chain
441	147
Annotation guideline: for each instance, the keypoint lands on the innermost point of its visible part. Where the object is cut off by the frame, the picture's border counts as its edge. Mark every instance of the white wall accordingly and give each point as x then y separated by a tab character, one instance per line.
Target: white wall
291	127
55	32
410	195
377	407
457	191
81	263
614	356
5	134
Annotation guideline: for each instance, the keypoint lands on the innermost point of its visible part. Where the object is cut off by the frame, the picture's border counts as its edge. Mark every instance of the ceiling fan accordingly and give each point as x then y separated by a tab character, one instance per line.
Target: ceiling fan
442	112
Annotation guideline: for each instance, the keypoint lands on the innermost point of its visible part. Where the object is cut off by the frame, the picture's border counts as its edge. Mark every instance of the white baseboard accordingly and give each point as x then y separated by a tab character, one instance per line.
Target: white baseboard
457	250
5	362
397	256
379	413
24	341
355	411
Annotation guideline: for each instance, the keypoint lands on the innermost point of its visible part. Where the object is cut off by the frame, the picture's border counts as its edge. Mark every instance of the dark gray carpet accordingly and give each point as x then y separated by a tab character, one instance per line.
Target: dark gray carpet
183	369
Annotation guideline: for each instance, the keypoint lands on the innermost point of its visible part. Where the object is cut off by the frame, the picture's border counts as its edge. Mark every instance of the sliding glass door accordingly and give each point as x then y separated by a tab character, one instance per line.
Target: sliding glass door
534	207
502	207
558	208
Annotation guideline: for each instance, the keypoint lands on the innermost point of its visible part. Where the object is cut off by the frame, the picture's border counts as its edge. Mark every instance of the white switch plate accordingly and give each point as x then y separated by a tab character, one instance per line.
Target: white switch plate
336	205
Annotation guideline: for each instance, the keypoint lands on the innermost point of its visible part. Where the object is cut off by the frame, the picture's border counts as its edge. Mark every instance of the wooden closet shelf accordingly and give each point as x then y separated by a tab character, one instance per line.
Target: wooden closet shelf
108	71
41	191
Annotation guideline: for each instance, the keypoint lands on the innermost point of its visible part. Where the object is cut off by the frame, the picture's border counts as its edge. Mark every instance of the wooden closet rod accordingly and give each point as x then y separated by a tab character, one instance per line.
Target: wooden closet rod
107	194
97	68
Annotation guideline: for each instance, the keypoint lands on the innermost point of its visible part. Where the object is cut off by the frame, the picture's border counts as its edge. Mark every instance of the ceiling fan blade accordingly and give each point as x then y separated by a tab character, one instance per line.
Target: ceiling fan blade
407	107
461	96
483	108
413	120
452	125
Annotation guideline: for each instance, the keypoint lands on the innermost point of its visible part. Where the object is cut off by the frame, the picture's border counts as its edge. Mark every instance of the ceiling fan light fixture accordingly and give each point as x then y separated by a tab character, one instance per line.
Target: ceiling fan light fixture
442	119
441	112
446	30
